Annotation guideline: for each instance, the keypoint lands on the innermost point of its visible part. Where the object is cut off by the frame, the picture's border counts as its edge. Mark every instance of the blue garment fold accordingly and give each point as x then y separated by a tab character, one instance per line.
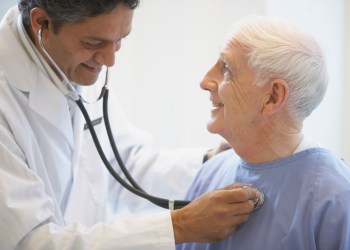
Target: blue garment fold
307	201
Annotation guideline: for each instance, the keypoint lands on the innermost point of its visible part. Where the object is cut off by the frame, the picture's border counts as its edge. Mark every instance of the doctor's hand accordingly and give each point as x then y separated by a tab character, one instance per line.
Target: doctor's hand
214	216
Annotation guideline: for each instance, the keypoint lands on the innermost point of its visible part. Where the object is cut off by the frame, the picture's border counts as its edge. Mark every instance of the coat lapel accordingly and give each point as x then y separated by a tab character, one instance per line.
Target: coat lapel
47	101
44	97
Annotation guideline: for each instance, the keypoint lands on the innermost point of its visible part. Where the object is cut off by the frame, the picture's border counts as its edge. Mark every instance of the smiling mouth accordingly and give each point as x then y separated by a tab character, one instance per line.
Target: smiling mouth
217	104
96	68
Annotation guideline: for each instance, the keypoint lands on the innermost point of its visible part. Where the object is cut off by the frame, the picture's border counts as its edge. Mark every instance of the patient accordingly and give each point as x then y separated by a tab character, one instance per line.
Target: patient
269	77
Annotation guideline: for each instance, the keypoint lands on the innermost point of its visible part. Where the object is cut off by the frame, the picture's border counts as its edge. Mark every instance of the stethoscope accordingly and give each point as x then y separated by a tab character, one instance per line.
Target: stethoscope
132	186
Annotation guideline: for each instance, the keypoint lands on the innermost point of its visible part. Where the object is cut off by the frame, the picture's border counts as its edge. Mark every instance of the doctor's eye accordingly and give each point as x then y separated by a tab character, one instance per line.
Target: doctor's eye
92	45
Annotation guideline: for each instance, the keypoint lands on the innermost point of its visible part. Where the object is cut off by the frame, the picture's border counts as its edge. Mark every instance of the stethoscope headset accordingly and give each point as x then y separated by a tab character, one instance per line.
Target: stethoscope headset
132	186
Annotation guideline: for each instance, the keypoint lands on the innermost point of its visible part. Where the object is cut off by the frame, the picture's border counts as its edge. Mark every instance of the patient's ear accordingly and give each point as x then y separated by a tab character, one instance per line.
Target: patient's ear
277	92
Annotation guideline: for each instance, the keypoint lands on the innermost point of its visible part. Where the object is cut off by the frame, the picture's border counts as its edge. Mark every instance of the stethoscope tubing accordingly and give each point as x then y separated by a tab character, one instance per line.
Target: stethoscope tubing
133	186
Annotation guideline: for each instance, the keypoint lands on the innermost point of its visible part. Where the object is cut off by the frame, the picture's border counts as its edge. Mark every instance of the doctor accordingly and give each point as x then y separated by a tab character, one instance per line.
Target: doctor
54	191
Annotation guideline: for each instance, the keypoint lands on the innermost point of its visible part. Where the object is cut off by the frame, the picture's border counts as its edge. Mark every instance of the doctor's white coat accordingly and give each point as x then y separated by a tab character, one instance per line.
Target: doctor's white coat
54	190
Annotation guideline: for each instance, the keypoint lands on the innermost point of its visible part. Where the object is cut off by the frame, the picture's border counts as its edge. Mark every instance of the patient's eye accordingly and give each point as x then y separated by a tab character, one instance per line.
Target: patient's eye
227	73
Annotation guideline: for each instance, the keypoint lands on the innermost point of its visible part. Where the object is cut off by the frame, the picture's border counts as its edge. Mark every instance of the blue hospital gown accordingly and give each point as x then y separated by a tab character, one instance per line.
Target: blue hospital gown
307	201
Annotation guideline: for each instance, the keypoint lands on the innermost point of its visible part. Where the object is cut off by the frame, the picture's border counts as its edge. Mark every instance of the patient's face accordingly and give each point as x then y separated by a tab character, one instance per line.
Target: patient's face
236	102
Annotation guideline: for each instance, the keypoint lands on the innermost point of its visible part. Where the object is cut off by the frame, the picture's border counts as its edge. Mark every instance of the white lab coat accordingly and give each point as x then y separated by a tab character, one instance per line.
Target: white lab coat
54	191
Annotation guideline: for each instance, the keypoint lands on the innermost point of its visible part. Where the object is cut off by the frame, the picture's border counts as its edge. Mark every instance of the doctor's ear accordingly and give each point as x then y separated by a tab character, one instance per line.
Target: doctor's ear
38	19
46	24
277	91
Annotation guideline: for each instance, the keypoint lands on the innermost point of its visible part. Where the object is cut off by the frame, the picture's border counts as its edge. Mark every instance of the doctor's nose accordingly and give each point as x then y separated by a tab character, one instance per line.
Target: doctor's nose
106	56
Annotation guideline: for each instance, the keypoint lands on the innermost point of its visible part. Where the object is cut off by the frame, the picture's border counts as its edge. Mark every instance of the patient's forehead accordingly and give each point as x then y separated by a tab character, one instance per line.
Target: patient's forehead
233	54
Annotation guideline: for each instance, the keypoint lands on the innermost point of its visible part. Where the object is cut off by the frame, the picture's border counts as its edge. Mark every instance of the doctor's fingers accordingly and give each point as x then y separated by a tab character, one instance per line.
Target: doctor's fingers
209	217
236	222
234	193
235	186
240	211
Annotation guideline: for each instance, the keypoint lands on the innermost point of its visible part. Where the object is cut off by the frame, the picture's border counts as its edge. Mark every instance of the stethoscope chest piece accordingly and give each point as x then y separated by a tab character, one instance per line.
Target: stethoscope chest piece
258	202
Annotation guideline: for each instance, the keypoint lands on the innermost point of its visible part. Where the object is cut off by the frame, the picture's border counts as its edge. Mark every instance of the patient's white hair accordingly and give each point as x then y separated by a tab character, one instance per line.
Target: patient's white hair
279	49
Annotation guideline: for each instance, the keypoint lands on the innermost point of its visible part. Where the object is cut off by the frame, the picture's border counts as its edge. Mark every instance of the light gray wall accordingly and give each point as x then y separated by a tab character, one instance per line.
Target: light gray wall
346	87
325	18
158	69
5	4
173	43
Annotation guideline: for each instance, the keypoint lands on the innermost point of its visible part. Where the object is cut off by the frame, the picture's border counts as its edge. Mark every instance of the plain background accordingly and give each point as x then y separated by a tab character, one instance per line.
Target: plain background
174	43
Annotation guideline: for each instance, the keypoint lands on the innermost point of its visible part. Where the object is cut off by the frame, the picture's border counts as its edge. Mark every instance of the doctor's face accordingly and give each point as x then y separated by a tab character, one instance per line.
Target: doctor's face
236	101
81	49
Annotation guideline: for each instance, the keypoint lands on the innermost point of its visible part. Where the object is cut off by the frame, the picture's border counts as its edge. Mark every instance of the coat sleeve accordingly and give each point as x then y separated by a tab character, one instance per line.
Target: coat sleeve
28	219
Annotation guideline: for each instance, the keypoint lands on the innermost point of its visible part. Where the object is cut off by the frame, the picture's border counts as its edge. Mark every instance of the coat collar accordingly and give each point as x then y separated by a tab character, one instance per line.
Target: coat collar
33	76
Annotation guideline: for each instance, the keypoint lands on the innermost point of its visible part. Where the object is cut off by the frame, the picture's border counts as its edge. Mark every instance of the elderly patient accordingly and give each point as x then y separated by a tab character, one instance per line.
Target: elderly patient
269	77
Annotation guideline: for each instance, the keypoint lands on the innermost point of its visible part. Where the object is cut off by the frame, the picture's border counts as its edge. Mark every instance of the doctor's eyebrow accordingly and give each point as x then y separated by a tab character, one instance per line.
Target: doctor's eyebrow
100	39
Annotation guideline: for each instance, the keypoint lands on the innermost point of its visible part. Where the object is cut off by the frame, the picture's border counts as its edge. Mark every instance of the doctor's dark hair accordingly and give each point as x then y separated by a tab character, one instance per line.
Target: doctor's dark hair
70	11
